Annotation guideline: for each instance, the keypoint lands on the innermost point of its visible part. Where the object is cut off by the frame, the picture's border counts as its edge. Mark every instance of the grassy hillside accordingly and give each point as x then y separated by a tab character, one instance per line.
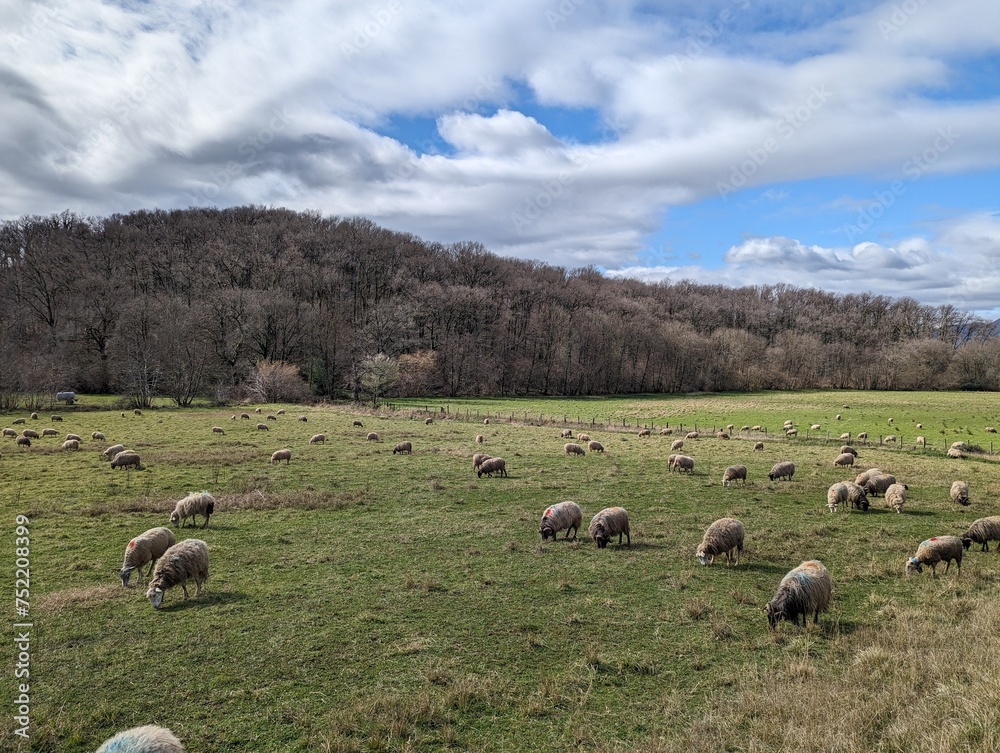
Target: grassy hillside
361	600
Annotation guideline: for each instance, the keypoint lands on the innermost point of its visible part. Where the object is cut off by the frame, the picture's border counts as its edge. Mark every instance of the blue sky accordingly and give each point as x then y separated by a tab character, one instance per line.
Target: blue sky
839	145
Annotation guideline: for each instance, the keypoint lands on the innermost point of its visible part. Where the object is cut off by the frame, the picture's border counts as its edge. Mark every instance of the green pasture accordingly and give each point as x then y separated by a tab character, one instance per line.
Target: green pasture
366	601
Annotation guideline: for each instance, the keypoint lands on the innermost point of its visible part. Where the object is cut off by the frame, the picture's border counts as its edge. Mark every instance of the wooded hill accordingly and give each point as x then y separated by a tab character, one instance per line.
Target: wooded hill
186	303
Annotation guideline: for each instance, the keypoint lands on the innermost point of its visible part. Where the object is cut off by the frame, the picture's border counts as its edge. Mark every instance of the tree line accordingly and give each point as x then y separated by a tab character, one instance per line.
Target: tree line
201	302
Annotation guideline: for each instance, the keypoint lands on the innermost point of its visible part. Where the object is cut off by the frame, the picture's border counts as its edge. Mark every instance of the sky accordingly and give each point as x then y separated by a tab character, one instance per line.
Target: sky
845	146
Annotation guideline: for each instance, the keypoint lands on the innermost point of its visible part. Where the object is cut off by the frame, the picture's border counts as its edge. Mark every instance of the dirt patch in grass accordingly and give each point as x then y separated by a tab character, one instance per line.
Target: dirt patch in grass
79	597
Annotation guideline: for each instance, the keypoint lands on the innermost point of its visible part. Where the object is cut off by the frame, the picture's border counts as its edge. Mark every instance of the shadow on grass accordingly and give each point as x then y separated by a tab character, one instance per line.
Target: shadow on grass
205	600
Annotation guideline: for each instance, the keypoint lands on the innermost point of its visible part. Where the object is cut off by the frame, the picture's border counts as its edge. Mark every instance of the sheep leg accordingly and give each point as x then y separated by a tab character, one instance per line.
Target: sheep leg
628	536
206	521
184	588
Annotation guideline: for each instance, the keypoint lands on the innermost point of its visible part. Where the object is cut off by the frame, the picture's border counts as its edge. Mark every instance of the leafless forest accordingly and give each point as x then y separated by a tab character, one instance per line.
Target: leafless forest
195	302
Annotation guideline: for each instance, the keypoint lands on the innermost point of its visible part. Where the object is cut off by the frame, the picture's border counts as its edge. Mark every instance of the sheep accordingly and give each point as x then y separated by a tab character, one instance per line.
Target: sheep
486	422
194	504
563	515
97	436
863	436
954	453
792	433
991	430
848	448
876	485
682	463
960	446
982	531
807	588
677	444
922	441
56	418
428	421
594	446
730	427
262	427
478	459
30	434
146	739
245	415
8	432
734	473
71	444
608	522
235	417
582	437
126	459
783	469
303	419
480	439
317	439
755	427
889	439
280	412
357	423
49	433
890	422
789	424
666	432
278	455
856	497
724	536
844	458
644	432
934	550
845	437
838	417
23	442
722	435
491	466
837	494
403	447
862	478
565	433
745	427
218	430
815	427
372	436
146	547
758	446
895	496
34	416
960	492
920	426
258	410
187	559
112	451
572	448
17	421
691	435
77	437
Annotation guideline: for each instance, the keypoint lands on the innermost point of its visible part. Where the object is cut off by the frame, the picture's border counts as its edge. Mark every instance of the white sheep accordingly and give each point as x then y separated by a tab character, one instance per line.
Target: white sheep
262	427
126	459
373	436
805	589
895	496
8	432
844	459
782	469
594	446
815	427
677	444
49	433
922	441
486	422
194	504
146	739
862	478
278	455
734	473
960	492
791	432
302	418
722	435
836	495
560	516
71	444
724	536
218	430
146	547
480	439
848	448
478	459
691	435
112	451
356	422
876	485
185	560
402	447
23	442
491	466
758	446
608	522
280	412
982	532
856	496
245	415
934	550
582	437
666	431
889	439
682	463
845	437
755	427
565	433
98	436
572	448
30	434
428	421
136	411
644	432
77	437
863	436
317	439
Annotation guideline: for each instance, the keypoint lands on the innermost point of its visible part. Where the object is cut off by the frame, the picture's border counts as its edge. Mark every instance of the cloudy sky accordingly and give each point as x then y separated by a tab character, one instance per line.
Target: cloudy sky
834	144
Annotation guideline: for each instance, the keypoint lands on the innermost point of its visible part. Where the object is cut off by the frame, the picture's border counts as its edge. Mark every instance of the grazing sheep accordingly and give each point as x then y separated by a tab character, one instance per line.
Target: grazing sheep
486	422
582	437
146	547
77	437
991	430
745	427
845	437
815	427
837	494
71	444
756	427
789	424
724	536
844	459
272	418
234	417
895	496
317	439
258	410
194	504
17	421
23	442
848	448
428	421
691	435
682	463
478	459
112	451
30	434
373	436
856	497
783	469
56	418
49	433
594	446
491	466
262	427
126	459
357	423
644	432
560	516
280	412
218	430
758	446
960	492
572	448
146	739
666	431
608	522
863	436
8	432
982	531
730	427
838	417
278	455
403	447
302	418
954	452
792	433
245	415
890	422
862	478
934	550
565	433
920	426
34	416
734	473
480	439
922	441
677	444
960	446
722	435
805	589
889	439
98	436
876	485
187	559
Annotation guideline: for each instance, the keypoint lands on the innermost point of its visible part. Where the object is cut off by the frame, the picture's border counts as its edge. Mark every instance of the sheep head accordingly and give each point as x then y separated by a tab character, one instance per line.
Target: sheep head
155	595
125	573
912	566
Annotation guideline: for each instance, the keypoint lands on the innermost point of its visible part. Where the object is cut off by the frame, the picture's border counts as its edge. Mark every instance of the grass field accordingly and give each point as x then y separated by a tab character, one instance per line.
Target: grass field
362	601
